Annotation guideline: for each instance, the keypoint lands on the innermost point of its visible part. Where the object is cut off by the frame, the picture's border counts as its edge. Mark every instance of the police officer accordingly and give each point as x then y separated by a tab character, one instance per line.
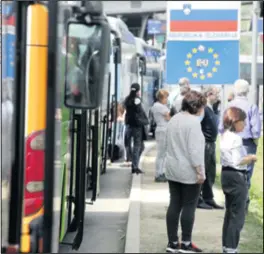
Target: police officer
136	121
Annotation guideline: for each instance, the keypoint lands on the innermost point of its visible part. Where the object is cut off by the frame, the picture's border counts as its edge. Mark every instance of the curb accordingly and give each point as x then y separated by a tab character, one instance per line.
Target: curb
132	242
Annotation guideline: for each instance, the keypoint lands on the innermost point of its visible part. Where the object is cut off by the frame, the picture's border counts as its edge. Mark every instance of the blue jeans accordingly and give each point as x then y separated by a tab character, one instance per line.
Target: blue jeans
251	148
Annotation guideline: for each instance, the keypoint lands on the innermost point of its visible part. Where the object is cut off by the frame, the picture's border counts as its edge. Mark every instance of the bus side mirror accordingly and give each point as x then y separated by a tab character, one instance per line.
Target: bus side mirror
87	51
142	66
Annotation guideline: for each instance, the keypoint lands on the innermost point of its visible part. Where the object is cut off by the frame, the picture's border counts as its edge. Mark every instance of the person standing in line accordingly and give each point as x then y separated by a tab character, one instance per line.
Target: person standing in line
210	131
184	84
161	114
231	96
184	164
252	131
136	121
234	161
217	110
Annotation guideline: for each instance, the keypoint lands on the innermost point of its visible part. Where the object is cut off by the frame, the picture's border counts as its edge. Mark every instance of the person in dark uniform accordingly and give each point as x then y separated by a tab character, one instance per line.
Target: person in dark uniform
217	110
210	131
136	121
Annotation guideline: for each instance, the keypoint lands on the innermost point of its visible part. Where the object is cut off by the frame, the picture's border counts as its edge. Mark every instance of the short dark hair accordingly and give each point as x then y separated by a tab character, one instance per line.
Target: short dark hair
231	116
193	101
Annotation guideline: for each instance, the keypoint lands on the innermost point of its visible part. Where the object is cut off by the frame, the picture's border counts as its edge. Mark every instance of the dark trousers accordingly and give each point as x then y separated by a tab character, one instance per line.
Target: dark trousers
210	172
234	185
183	201
127	141
138	144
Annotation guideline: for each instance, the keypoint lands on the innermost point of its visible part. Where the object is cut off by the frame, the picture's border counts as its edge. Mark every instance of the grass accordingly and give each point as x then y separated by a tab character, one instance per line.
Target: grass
253	241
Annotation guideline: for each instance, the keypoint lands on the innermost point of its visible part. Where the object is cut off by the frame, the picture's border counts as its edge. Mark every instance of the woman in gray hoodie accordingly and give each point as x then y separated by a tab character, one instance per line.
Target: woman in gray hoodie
184	165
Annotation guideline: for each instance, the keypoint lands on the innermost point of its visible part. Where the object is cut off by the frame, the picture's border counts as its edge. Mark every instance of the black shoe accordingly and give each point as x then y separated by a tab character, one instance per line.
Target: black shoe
213	204
139	171
164	177
190	248
203	205
173	248
160	179
133	171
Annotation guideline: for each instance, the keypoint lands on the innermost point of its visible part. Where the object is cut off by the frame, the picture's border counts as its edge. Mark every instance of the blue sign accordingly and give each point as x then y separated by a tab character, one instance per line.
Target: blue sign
8	49
202	62
156	26
203	42
7	9
260	26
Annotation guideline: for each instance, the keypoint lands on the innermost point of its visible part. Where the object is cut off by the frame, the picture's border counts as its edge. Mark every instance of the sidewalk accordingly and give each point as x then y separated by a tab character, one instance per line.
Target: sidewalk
106	221
154	200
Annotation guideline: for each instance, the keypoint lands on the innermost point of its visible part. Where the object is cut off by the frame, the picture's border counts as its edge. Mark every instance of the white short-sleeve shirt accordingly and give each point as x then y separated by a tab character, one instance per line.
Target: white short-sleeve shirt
232	150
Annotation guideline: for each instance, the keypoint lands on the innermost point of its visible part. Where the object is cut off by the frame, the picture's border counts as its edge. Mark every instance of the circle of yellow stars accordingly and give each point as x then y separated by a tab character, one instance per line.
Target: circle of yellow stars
210	73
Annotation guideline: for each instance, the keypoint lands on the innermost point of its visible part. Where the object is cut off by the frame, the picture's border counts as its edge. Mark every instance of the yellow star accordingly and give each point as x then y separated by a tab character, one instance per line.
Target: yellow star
194	50
189	69
202	77
189	55
209	74
187	62
217	62
195	75
210	50
215	56
214	69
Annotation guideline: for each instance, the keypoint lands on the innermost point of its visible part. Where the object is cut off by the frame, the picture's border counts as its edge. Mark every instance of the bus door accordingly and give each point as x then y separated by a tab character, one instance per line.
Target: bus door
84	81
116	51
13	119
106	129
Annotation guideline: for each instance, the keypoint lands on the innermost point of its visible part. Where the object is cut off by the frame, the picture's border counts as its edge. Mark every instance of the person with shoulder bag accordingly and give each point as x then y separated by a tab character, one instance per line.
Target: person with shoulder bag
136	122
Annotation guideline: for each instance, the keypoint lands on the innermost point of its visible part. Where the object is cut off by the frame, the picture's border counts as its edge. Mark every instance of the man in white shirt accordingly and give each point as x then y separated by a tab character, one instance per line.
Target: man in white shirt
184	84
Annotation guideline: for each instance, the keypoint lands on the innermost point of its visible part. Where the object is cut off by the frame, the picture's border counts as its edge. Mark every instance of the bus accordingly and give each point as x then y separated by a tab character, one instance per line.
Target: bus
123	72
54	105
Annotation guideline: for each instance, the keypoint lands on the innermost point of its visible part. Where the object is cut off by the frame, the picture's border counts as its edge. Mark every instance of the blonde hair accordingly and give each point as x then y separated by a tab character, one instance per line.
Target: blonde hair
161	94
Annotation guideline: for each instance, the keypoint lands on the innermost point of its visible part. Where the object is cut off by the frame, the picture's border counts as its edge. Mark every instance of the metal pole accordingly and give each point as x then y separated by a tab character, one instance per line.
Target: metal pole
143	26
255	15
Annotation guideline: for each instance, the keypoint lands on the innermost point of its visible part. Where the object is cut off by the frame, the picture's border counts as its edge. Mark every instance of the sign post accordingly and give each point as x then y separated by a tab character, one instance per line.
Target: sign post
203	42
256	12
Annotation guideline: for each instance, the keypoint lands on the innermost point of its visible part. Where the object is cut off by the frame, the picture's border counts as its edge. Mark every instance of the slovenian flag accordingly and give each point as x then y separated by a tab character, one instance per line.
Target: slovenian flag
203	20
